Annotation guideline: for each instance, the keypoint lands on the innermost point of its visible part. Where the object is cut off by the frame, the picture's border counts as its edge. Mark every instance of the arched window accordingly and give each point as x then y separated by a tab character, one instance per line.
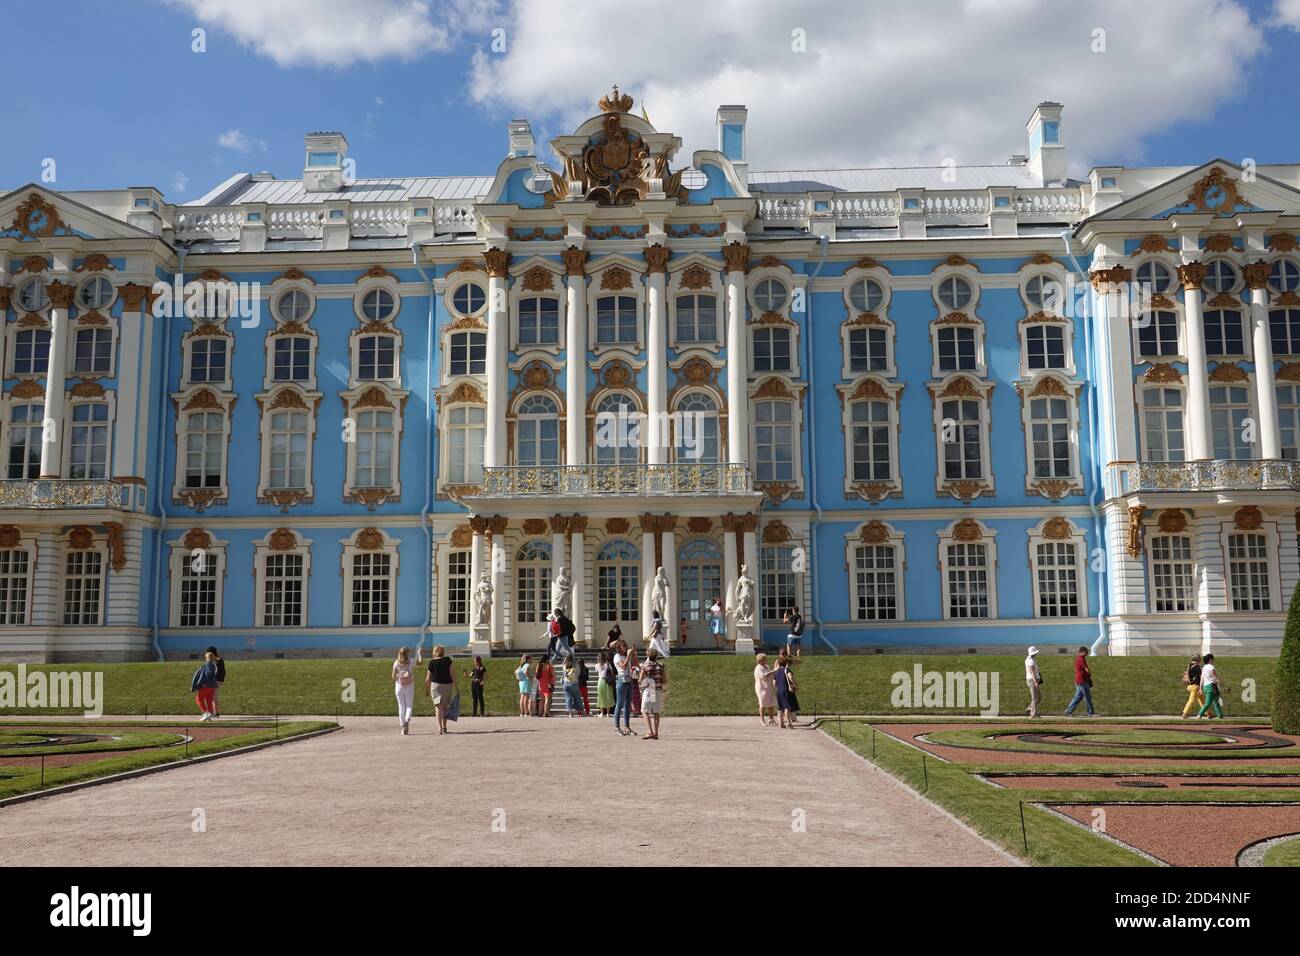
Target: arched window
1284	276
1162	424
697	429
1229	409
618	583
466	433
617	438
25	432
533	583
537	432
699	566
966	580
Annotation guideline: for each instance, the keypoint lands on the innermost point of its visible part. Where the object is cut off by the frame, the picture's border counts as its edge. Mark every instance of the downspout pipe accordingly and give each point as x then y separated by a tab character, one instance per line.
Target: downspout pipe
823	243
160	437
1090	373
428	452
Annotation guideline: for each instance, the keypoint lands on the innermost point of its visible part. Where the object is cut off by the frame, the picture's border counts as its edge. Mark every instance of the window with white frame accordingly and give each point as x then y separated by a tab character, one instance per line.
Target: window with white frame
616	320
467	353
1229	409
778	584
1155	277
866	295
773	348
284	589
465	434
1288	414
376	358
967	580
25	430
1284	331
770	295
871	430
1044	292
96	293
1045	346
31	352
288	444
618	582
1220	277
962	438
1224	333
533	582
88	441
469	298
697	318
698	440
876	582
1162	424
293	305
1284	276
15	585
774	446
208	360
868	349
955	292
371	589
373	450
1172	574
459	586
616	438
378	305
205	449
83	587
198	592
538	321
33	295
1056	579
93	351
1158	334
1050	424
537	432
291	358
957	348
1248	572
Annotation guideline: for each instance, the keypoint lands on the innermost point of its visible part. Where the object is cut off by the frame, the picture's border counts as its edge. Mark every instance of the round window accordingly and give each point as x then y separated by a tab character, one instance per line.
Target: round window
955	292
469	298
770	295
96	293
293	306
32	295
377	305
866	295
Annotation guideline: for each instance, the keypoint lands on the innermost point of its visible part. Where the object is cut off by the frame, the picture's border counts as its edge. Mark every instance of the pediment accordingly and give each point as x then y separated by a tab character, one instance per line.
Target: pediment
33	213
1220	188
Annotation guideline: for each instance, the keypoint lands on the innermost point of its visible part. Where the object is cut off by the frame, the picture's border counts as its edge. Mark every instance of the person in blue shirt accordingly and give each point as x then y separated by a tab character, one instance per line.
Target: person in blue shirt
204	686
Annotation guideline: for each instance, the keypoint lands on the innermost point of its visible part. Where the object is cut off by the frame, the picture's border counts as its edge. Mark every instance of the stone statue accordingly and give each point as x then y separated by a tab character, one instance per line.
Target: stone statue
659	595
562	592
744	597
483	601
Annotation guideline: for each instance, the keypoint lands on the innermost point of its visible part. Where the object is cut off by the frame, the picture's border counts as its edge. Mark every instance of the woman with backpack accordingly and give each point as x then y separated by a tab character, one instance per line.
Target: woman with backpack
572	698
604	684
204	685
1211	687
1192	681
221	679
404	687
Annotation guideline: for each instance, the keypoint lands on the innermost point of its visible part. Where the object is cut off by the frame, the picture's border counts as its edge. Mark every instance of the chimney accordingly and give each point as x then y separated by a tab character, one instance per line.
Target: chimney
326	156
731	138
1046	151
521	138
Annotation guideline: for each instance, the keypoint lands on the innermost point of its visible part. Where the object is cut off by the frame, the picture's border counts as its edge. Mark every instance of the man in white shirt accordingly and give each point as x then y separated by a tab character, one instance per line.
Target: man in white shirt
1034	681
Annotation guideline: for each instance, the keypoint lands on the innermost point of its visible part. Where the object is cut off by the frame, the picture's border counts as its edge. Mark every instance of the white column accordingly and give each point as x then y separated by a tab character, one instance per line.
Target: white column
578	571
500	581
130	382
1270	438
476	557
498	340
1199	444
737	257
648	525
673	612
751	556
730	571
46	604
575	369
657	354
52	435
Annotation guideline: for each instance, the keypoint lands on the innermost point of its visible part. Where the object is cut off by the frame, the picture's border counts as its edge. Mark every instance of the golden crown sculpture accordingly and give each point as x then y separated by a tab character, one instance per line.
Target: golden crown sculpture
615	102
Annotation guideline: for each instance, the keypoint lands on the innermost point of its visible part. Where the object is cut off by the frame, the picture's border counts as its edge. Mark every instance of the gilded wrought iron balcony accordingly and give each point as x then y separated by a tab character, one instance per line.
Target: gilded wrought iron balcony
631	480
53	493
1218	475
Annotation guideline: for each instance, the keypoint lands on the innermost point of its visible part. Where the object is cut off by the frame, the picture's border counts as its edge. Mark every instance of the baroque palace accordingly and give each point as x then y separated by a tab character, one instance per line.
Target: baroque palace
919	403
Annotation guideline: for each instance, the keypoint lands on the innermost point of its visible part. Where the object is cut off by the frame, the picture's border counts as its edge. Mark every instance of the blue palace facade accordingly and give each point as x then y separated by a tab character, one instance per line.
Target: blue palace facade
959	407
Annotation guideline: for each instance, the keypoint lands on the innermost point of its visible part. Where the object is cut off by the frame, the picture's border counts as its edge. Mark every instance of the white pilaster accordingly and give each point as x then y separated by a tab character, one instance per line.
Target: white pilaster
730	571
124	591
657	355
1199	444
130	381
52	435
46	607
575	369
578	571
737	257
498	339
1270	437
672	613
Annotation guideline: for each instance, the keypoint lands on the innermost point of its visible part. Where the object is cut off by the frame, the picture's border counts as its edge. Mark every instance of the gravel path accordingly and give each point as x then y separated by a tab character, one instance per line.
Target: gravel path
717	790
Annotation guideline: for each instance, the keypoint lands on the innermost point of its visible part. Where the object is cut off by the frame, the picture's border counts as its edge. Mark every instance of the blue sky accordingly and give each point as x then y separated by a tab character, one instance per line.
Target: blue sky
114	94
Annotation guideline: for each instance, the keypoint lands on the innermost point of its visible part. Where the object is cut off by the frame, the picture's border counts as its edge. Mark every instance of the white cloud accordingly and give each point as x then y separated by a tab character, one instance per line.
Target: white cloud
1286	13
235	139
179	182
883	83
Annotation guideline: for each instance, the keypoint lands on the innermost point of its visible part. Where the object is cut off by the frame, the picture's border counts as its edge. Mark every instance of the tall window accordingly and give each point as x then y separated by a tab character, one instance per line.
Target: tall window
198	597
963	454
774	440
292	359
1223	332
1044	346
618	582
283	588
697	435
1248	572
32	352
83	581
772	349
1162	424
778	585
1159	335
466	428
93	351
968	580
617	439
459	586
537	431
376	356
25	430
868	350
533	582
875	582
467	354
1049	422
208	360
697	318
539	321
1057	579
956	349
616	320
1288	414
289	436
1229	409
372	589
88	448
1171	573
205	443
871	431
1284	331
14	566
374	449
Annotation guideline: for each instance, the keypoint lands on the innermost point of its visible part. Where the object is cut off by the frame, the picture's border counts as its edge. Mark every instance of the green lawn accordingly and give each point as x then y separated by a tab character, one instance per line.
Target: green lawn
697	685
1284	854
15	779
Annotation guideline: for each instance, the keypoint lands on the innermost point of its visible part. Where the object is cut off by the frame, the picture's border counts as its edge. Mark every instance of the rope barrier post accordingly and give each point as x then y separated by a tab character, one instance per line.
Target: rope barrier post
1024	835
42	771
277	725
925	770
873	743
185	733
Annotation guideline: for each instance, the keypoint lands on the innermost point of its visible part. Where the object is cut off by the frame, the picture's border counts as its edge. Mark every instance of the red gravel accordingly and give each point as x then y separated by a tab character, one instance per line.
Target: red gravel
1191	835
1225	783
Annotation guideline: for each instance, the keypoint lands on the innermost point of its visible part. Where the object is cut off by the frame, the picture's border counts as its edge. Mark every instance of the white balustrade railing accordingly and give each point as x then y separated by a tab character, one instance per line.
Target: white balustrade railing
956	206
308	221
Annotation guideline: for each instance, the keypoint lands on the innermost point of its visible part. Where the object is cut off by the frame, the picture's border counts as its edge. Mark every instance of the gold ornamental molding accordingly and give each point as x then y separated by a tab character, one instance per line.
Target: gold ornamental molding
534	526
370	539
656	258
134	296
577	524
466	265
91	319
213	275
197	538
29	388
956	318
376	272
203	400
1038	259
964	387
1162	372
1153	243
967	530
615	374
497	263
1290	372
1104	280
874	532
372	498
116	545
32	264
1218	243
1281	242
1256	275
282	539
696	231
615	102
199	499
62	294
874	491
1192	275
1054	488
81	538
777	492
5	293
772	318
1172	521
699	525
87	388
1223	301
497	525
870	388
462	536
9	536
967	491
735	256
774	387
1229	373
37	219
865	318
560	524
1040	317
1248	518
539	279
617	526
466	393
866	262
741	524
1134	542
284	499
1216	178
575	261
294	274
1058	529
776	532
615	279
956	260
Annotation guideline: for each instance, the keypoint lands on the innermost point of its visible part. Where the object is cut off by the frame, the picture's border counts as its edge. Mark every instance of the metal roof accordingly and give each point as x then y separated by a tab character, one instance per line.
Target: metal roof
247	189
888	180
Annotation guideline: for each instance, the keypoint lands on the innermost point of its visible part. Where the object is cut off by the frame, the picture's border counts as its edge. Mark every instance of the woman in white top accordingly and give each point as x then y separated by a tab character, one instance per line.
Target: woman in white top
656	635
1211	687
717	622
404	686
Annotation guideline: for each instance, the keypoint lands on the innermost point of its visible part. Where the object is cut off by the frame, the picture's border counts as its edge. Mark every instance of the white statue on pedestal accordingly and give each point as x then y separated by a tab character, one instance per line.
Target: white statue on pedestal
659	595
483	601
744	597
562	592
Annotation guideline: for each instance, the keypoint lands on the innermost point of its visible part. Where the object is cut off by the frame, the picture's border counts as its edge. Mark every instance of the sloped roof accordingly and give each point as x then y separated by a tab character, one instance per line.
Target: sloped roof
248	189
891	179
